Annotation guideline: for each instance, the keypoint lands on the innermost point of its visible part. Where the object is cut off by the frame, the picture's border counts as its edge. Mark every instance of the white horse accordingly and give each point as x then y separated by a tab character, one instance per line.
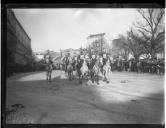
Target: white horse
84	69
107	71
96	70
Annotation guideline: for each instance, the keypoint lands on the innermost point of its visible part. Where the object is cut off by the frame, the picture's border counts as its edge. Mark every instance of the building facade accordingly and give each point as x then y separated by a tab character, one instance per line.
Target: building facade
97	44
18	42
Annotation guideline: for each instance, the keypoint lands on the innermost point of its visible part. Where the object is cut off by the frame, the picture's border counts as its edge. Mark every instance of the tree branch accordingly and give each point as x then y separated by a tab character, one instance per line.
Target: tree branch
143	29
144	35
159	18
143	15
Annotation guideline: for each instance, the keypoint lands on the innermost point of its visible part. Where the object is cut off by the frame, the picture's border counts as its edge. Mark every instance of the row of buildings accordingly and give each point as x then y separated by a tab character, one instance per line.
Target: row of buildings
19	51
97	44
56	56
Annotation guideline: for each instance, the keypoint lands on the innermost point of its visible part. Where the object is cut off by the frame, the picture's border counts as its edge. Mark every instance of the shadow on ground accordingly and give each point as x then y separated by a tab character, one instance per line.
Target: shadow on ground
81	104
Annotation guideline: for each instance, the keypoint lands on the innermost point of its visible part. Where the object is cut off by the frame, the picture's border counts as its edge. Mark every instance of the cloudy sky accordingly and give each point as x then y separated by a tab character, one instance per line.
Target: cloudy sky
69	28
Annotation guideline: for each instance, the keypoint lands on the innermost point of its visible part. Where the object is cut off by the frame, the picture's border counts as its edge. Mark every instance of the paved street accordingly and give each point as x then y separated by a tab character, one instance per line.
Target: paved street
128	98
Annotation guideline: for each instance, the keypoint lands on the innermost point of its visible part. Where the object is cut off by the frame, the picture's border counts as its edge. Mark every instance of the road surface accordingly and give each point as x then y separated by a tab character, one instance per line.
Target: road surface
128	98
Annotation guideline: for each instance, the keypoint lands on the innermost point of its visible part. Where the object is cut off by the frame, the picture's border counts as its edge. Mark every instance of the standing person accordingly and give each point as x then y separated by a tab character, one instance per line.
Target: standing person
138	66
118	64
130	65
66	61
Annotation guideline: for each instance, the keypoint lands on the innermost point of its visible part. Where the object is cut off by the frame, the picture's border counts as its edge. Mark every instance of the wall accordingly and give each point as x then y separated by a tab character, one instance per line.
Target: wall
18	42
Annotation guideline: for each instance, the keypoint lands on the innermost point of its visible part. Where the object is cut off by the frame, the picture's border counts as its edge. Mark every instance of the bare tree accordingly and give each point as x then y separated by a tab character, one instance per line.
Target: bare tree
133	44
121	47
152	29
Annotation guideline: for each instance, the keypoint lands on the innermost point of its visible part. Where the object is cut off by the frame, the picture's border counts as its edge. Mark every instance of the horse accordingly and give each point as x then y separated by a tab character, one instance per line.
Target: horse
106	71
101	64
82	69
49	68
94	72
70	69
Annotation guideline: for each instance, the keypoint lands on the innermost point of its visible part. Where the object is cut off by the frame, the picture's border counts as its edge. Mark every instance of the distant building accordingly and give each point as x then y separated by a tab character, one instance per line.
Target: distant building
53	55
72	52
97	44
18	42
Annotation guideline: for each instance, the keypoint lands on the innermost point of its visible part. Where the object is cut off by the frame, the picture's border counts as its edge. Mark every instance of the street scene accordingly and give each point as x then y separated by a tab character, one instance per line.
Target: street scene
85	66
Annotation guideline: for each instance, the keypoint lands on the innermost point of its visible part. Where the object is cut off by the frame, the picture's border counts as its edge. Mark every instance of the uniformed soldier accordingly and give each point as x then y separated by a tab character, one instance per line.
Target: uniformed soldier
80	60
47	58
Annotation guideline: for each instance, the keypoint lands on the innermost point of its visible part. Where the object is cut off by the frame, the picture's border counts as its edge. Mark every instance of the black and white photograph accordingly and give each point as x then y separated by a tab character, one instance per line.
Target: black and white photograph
85	65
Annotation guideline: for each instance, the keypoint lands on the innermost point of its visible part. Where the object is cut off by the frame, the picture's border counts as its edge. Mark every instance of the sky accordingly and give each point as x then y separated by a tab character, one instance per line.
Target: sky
56	29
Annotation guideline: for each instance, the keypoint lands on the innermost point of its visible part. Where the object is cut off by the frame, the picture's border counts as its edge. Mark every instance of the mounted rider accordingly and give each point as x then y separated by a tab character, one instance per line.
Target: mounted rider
93	61
88	60
105	59
79	62
66	61
74	61
47	58
49	65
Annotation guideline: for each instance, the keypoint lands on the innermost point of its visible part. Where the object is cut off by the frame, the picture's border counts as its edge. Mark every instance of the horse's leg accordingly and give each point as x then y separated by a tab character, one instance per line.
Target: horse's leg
92	77
72	76
80	79
104	74
107	77
50	75
79	76
47	75
97	78
69	74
